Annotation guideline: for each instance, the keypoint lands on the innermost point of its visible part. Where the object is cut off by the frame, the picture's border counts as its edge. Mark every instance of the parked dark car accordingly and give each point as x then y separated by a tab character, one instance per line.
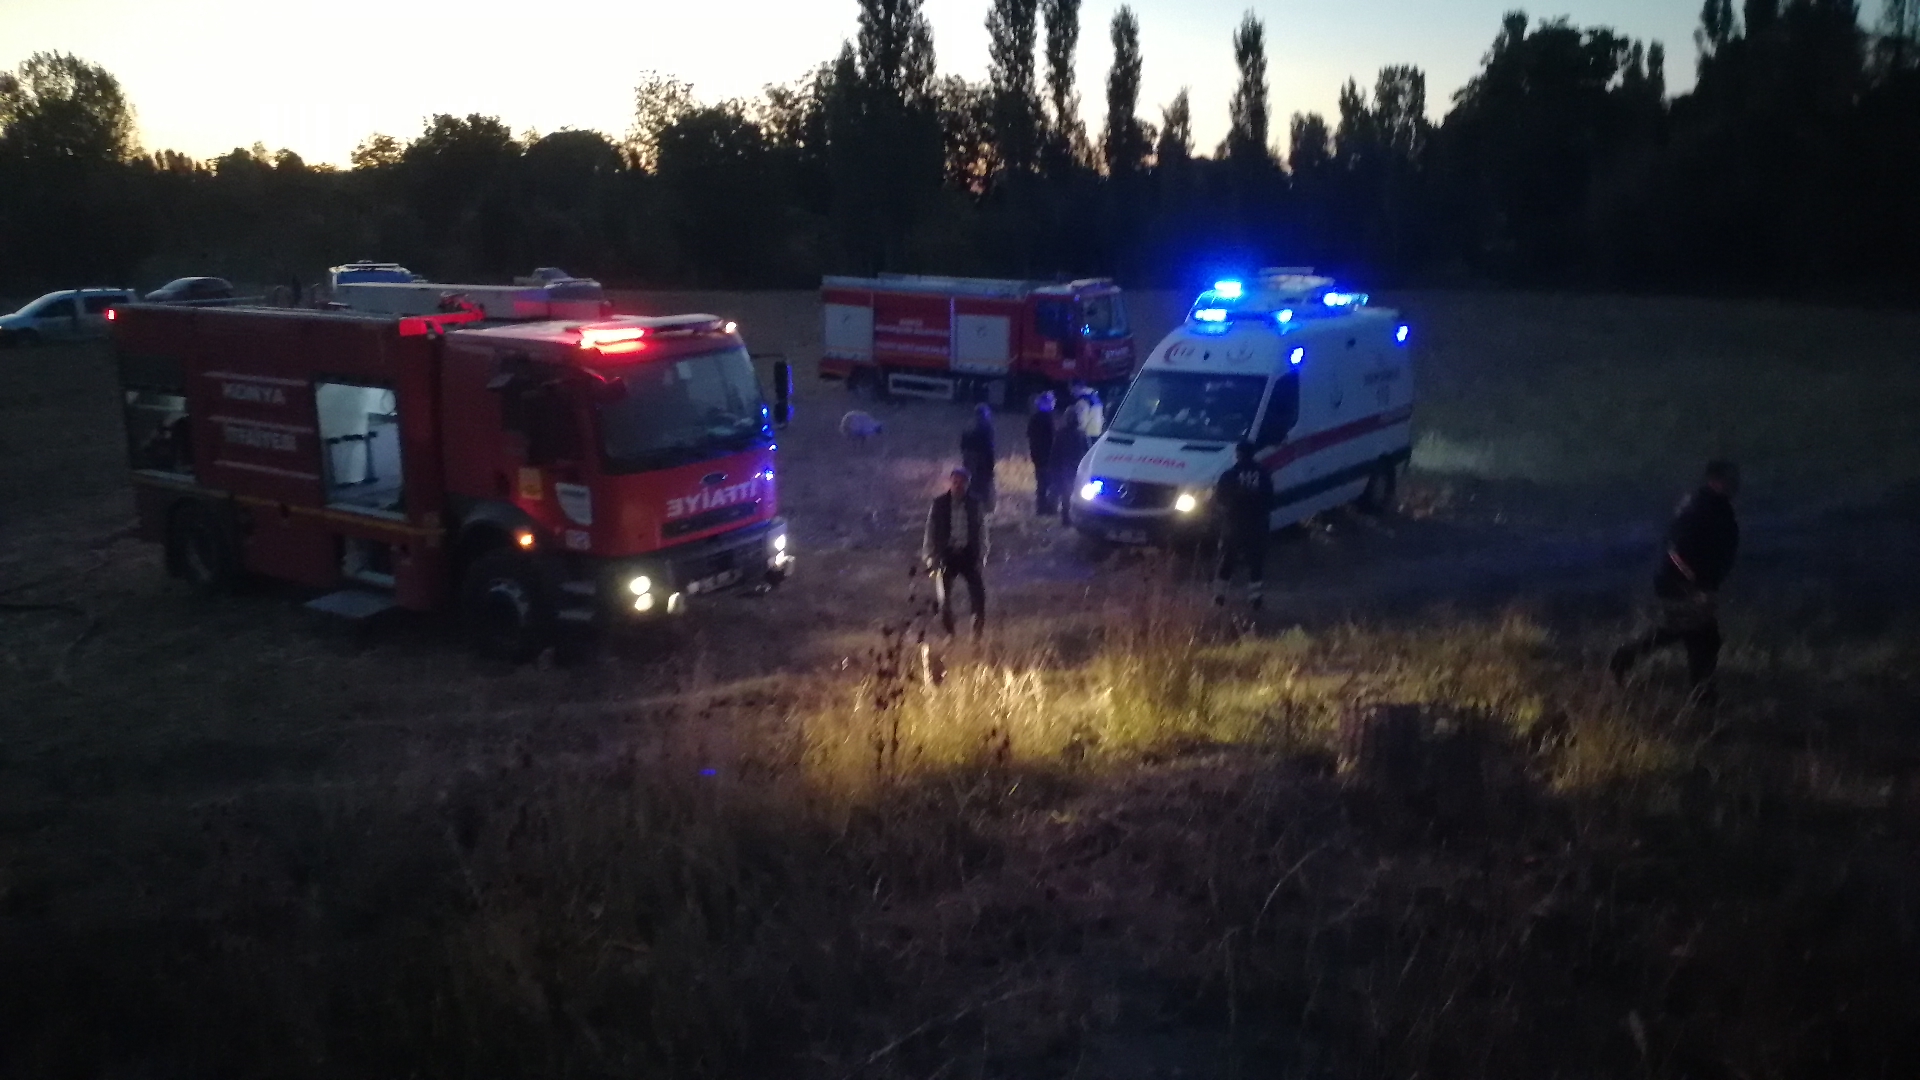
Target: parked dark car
192	288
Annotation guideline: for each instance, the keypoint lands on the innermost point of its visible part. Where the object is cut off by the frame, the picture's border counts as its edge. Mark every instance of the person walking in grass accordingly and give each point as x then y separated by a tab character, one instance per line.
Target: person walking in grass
977	455
1040	452
954	549
1244	500
1070	444
1702	540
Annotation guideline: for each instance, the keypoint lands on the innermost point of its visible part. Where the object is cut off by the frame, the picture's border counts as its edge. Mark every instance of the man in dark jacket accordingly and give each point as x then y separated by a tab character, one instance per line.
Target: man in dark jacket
977	455
1244	500
1069	446
1040	452
955	546
1701	543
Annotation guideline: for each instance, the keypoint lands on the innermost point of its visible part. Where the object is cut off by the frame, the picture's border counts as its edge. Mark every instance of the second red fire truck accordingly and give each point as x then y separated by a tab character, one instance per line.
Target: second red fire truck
529	475
948	338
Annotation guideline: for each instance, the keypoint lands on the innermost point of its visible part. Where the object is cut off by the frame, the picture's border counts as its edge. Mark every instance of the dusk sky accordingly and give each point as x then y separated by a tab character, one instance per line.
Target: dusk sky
317	78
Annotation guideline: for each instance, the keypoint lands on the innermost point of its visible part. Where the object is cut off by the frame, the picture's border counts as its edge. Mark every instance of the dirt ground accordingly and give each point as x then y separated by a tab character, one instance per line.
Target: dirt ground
1553	436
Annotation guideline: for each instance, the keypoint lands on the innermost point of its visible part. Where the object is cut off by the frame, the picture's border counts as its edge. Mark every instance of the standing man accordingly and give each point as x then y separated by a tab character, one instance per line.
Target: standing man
1244	497
1701	543
1040	452
956	547
977	454
1069	446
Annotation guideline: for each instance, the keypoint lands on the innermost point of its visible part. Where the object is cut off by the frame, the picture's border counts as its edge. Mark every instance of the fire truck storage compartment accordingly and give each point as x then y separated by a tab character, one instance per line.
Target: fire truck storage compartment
360	431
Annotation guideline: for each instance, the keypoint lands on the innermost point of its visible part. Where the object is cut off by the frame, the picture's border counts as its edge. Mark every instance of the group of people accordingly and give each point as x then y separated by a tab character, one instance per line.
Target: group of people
1702	538
954	548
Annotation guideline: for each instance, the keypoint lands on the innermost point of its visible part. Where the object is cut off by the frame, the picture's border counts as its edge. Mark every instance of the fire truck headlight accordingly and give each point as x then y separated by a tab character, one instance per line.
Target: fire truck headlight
1186	503
641	586
1090	490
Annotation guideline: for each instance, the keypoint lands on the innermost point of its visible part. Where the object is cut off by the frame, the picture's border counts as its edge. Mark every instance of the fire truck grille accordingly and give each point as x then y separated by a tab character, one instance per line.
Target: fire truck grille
1137	495
712	519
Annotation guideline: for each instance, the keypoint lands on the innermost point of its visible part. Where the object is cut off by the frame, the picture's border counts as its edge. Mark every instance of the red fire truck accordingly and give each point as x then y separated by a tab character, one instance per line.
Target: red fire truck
942	338
529	475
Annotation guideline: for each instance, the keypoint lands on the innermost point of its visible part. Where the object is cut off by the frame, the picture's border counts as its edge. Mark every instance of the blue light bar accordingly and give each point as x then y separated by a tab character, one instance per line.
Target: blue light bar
1298	355
1285	315
1338	299
1228	290
1210	315
1400	335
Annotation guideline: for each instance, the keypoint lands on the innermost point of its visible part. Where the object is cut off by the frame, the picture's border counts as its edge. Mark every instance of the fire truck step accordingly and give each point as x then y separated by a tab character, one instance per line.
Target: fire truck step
354	604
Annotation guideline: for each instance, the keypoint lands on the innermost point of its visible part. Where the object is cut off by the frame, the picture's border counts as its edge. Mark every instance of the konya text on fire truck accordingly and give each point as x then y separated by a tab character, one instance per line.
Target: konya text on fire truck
947	338
531	475
1314	377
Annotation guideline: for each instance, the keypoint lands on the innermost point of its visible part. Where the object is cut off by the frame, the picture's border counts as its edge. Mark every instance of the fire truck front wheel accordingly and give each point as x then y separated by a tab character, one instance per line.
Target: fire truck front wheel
508	609
202	549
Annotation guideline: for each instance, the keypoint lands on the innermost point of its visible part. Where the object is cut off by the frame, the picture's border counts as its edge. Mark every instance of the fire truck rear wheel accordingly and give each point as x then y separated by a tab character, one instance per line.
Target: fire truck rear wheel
201	549
508	609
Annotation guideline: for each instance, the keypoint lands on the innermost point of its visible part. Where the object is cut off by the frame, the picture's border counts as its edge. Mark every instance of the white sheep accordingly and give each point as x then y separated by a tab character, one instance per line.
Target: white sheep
860	426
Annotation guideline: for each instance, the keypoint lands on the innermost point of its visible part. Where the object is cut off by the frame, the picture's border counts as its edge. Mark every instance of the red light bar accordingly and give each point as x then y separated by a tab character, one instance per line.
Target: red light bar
422	325
617	347
598	337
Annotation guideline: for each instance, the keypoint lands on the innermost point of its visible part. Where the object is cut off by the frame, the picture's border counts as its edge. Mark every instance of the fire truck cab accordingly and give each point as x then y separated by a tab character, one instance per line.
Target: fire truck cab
945	338
530	475
1316	379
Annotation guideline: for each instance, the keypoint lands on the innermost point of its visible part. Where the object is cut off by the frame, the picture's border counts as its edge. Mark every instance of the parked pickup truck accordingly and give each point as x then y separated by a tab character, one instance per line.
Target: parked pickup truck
67	315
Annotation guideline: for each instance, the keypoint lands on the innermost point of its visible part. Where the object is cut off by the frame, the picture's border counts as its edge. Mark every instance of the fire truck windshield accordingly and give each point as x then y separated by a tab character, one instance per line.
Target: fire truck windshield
682	410
1103	315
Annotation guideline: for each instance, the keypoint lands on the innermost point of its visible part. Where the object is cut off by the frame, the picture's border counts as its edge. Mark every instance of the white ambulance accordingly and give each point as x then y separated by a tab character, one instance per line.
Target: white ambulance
1318	381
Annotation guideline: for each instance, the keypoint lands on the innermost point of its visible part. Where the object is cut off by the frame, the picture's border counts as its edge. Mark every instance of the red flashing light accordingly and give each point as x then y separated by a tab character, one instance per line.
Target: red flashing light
599	337
618	347
112	315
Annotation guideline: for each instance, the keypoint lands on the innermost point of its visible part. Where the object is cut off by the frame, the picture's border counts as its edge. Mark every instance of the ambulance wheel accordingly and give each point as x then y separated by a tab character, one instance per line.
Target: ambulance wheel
201	549
1377	497
507	608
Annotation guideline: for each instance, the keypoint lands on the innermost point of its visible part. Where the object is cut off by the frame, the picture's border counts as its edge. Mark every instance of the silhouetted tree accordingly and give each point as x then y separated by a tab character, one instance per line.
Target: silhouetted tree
58	106
1175	147
1246	140
1011	35
1128	140
1066	137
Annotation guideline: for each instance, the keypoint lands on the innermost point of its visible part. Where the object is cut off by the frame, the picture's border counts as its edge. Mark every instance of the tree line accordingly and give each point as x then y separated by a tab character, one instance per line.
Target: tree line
1793	166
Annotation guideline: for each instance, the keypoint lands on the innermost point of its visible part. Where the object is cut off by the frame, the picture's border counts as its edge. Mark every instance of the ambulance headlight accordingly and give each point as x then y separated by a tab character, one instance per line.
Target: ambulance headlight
1186	503
640	586
1090	490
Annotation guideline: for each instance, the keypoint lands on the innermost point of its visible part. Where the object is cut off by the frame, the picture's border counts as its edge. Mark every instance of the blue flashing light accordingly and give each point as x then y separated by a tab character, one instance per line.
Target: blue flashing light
1400	335
1228	290
1211	315
1297	356
1338	299
1285	315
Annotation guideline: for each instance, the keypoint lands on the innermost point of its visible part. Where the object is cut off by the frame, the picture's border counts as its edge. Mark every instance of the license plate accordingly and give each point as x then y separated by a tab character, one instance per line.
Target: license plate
1127	536
714	581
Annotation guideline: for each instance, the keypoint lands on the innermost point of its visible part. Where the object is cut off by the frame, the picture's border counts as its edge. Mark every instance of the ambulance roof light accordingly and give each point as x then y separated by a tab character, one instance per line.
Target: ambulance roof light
1229	289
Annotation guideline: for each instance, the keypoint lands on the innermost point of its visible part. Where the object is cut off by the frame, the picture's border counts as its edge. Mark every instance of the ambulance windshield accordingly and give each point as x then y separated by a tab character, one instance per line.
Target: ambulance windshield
682	410
1189	405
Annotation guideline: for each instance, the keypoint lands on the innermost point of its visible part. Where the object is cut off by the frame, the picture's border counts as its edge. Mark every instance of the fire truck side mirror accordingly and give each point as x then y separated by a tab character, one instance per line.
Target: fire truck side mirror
782	392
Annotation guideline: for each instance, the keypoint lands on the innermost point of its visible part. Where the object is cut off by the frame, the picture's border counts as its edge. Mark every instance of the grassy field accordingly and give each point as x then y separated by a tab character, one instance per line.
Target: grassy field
1398	825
